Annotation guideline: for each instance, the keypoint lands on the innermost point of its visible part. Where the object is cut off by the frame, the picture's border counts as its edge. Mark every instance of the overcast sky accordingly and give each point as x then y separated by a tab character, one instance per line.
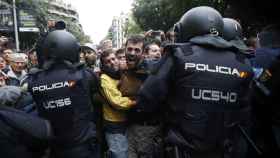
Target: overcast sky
96	15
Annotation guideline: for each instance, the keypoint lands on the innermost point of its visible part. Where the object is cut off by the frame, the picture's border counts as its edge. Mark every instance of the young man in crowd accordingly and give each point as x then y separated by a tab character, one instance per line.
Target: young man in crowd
142	133
120	54
115	106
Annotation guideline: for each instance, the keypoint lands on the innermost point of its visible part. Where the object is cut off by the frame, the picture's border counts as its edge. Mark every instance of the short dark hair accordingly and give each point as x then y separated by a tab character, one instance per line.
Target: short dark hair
105	54
147	45
138	38
120	51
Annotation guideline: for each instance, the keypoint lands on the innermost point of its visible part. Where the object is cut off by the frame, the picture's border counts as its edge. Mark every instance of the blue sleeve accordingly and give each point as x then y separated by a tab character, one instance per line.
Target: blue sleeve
264	57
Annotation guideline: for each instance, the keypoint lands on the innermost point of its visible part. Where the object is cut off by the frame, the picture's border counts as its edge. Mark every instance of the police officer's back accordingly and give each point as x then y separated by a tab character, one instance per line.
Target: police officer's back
205	84
62	90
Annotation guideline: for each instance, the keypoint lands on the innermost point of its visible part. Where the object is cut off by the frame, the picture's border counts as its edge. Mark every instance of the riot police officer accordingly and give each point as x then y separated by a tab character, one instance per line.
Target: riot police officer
205	82
233	33
62	90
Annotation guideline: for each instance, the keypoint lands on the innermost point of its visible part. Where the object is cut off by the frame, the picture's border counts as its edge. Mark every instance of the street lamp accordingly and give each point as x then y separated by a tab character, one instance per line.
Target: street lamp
15	25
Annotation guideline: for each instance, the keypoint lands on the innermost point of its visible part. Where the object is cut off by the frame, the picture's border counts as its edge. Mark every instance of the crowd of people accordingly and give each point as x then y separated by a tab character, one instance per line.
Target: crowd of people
197	91
13	65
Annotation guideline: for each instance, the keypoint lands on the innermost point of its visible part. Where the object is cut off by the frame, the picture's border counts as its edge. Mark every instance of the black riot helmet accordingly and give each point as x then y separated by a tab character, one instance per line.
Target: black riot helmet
232	29
198	21
61	45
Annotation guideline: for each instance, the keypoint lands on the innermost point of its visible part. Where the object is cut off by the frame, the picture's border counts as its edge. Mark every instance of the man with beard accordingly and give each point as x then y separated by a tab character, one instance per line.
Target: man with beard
205	85
115	106
144	135
91	57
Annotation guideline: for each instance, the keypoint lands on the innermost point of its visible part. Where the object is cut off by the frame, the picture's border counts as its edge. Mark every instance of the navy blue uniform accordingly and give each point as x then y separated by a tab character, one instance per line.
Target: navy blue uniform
17	134
206	86
63	96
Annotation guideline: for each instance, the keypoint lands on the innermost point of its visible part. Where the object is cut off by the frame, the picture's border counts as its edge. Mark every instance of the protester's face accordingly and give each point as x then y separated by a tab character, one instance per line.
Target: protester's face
111	61
154	52
90	57
3	40
122	61
6	54
133	53
18	66
121	56
51	24
33	59
82	57
107	45
2	63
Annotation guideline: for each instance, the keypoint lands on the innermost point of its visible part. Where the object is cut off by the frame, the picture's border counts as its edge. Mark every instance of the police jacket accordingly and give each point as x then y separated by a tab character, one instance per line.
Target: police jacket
63	96
206	85
17	133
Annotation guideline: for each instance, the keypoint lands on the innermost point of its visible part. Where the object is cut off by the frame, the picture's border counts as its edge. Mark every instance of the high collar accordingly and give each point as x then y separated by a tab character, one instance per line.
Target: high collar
111	72
210	40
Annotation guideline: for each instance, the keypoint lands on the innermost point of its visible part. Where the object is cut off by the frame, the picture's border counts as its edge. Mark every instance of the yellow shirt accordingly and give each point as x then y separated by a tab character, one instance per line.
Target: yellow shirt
115	112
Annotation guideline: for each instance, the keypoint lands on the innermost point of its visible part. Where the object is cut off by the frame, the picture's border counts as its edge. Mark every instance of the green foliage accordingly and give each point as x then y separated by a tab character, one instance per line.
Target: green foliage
39	9
163	14
132	27
75	29
129	27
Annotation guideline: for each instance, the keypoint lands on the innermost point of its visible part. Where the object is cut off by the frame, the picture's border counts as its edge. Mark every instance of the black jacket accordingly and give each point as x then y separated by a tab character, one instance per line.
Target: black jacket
63	96
206	85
